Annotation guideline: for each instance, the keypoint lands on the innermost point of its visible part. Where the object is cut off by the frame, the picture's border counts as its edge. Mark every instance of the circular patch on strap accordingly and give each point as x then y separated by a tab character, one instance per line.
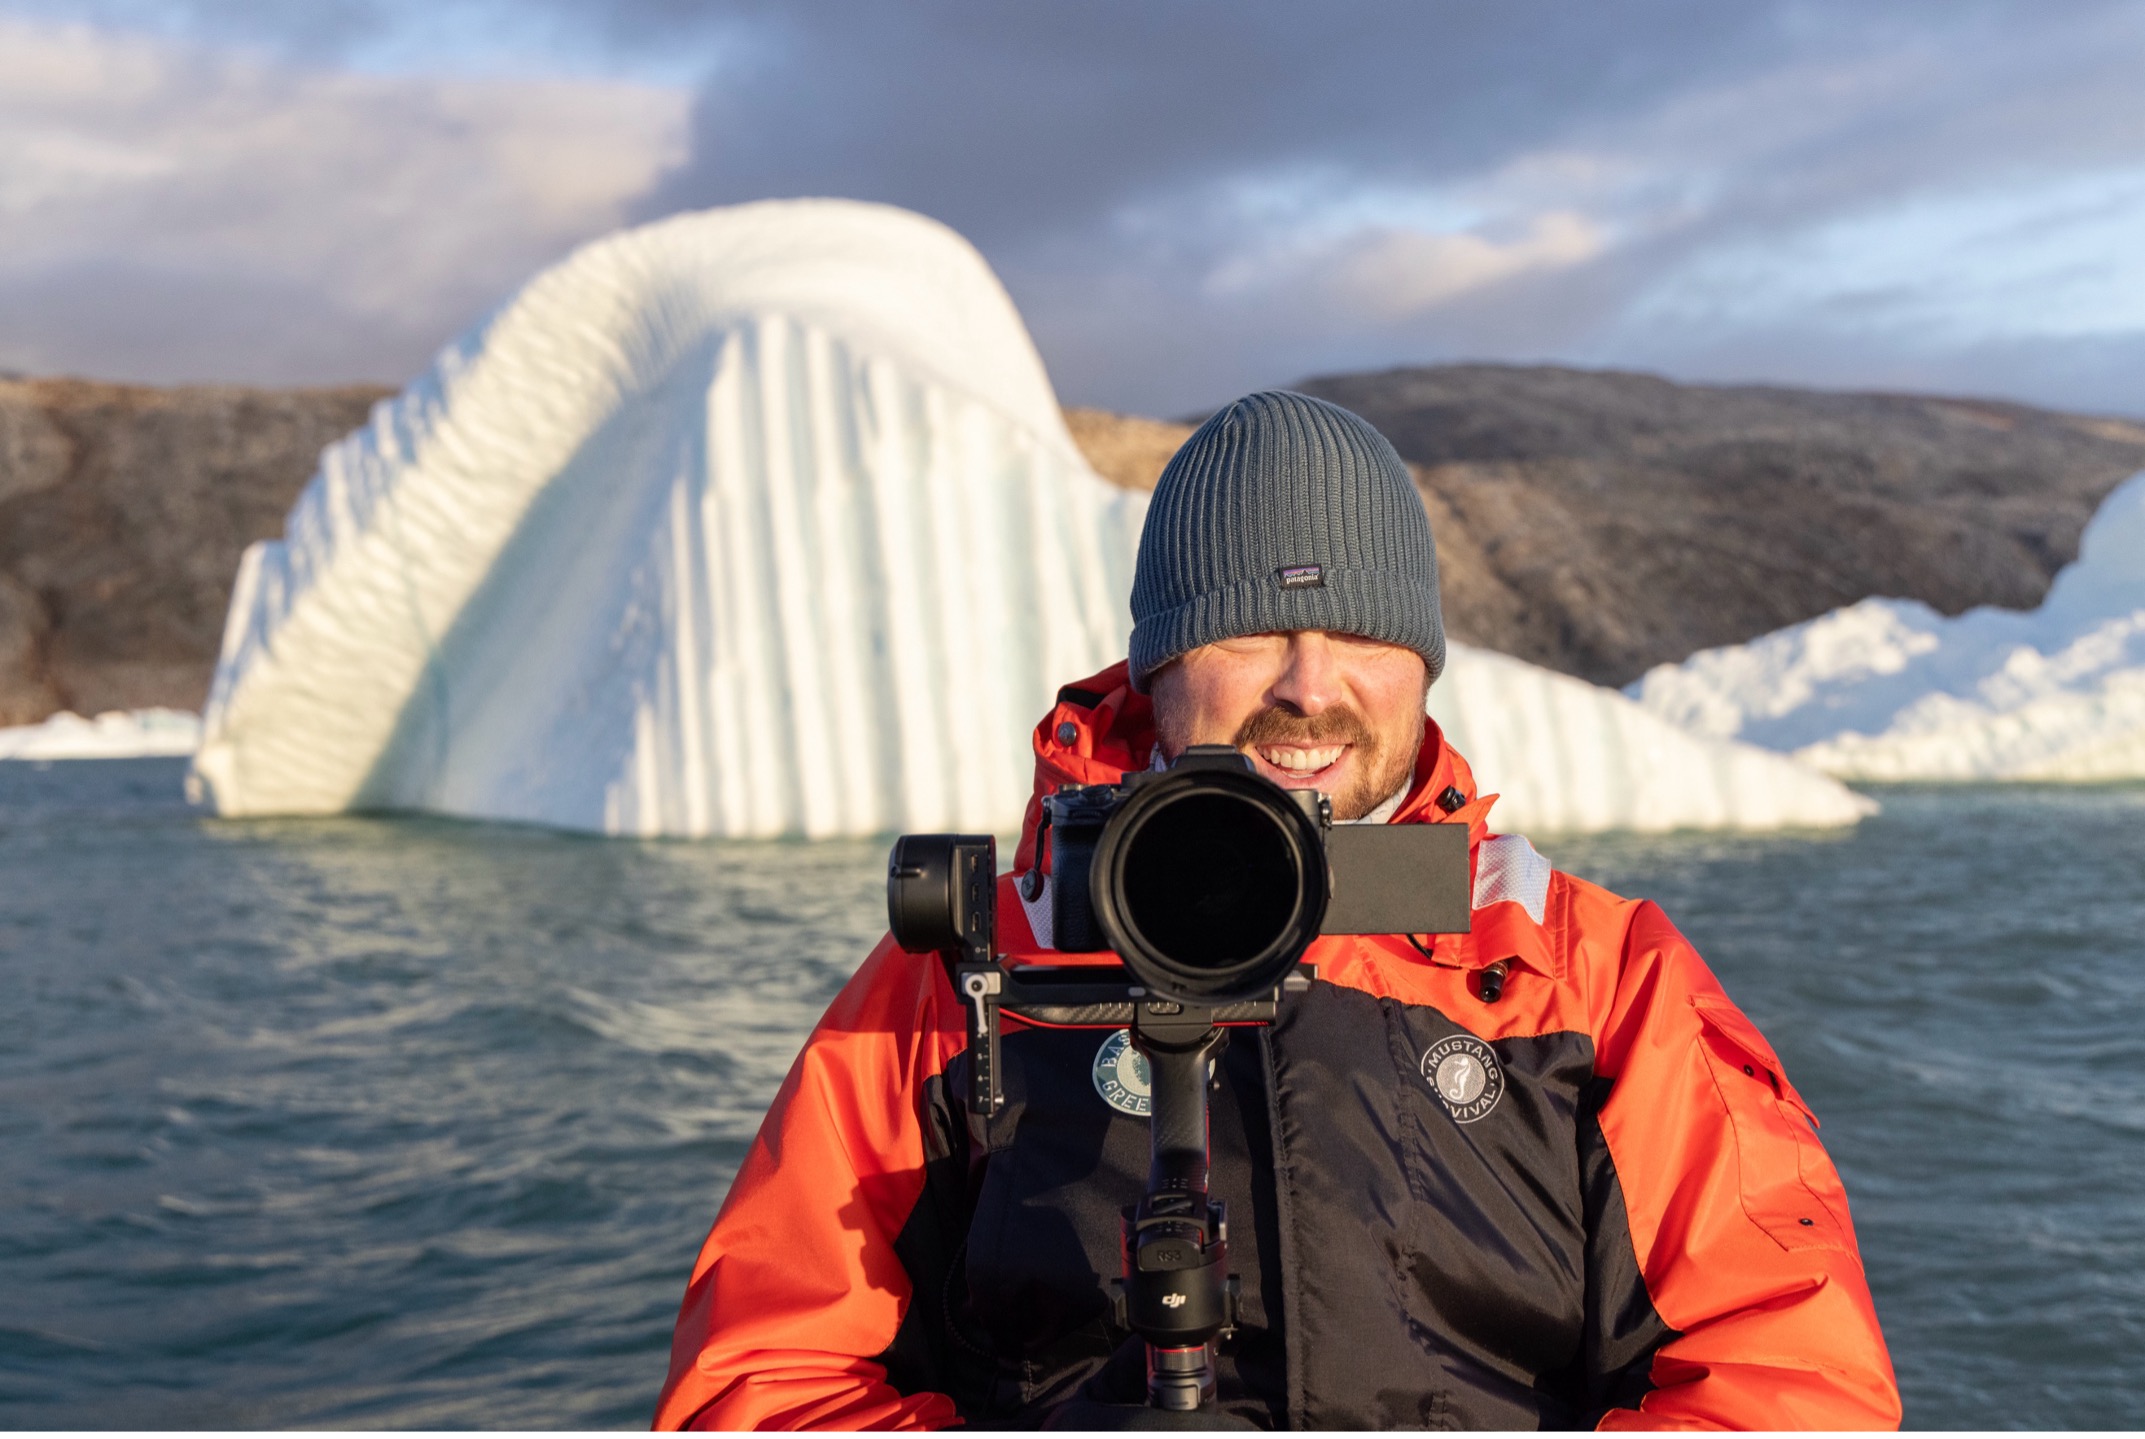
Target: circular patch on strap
1464	1074
1122	1077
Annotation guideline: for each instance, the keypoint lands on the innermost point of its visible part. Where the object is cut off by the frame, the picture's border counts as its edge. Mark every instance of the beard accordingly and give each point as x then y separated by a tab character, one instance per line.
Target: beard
1381	764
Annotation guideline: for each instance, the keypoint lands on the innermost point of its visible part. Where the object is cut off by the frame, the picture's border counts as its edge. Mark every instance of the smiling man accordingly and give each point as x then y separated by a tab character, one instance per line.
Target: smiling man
1544	1174
1286	601
1303	705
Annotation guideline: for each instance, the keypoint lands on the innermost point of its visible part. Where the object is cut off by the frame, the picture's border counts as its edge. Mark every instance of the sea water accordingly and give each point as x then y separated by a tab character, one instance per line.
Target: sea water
390	1122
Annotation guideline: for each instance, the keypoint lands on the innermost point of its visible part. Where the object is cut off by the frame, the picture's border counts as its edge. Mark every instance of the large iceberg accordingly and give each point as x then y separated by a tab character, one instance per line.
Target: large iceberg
1892	690
765	521
750	522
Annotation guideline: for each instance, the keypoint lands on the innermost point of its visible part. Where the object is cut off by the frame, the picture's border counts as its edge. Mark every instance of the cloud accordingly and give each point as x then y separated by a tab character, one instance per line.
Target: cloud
1021	123
1185	200
1389	273
272	222
2036	256
1192	199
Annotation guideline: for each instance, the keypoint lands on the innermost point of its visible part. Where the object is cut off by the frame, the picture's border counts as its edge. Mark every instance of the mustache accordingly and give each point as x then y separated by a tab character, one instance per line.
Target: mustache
1342	724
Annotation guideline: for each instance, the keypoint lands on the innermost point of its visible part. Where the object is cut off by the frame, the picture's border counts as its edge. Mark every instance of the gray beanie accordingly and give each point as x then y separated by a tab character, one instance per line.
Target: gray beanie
1284	513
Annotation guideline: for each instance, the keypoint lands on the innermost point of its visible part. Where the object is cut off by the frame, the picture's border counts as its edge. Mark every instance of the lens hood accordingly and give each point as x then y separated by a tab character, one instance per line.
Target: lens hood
1209	883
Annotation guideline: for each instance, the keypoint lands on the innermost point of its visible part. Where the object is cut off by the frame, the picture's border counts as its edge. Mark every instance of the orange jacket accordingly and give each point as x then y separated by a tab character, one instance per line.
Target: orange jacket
1649	1236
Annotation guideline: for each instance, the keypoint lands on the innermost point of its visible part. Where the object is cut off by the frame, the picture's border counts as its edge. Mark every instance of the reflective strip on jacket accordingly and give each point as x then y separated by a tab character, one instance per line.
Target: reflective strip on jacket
1637	1229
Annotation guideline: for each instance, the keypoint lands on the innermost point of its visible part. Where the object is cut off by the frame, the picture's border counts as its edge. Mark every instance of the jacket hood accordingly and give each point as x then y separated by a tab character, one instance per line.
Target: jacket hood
1100	729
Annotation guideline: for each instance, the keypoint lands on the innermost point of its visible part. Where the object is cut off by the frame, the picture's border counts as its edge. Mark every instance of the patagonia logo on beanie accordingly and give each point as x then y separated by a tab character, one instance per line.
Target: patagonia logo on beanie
1284	513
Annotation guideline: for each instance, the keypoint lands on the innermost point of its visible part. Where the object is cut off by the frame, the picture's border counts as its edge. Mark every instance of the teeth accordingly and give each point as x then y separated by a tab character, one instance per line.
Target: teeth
1302	761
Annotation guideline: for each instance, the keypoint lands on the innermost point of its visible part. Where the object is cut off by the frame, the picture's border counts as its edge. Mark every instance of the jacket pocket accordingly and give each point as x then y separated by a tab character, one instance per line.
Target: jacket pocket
1788	1186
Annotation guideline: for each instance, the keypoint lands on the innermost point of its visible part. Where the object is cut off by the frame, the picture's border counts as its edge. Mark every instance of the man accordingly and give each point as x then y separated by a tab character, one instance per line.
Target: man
1543	1174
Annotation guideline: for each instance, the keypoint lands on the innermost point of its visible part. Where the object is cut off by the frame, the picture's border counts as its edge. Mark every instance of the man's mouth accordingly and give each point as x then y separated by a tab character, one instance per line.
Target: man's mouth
1302	762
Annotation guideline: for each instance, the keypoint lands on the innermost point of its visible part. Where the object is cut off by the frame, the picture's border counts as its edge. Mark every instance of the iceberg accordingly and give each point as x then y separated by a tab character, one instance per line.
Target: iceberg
1891	690
757	521
765	521
1571	756
115	734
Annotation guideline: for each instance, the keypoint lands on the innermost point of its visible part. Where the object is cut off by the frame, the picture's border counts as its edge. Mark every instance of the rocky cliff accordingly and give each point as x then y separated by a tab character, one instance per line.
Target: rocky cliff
1594	522
123	511
1602	523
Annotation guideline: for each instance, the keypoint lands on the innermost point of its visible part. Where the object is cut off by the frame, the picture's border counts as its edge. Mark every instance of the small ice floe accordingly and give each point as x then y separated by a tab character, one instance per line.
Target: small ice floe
115	734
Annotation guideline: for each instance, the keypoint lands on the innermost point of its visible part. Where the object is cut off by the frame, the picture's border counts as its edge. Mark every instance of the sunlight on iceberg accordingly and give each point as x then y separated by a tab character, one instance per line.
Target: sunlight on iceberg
758	521
1572	756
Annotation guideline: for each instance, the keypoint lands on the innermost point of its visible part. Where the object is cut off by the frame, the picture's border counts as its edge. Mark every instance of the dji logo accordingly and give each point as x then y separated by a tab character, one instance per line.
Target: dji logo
1174	1301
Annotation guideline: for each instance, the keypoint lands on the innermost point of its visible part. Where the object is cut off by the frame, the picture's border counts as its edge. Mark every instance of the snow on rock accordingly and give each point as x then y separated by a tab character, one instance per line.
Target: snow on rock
765	521
754	521
115	734
1892	690
1568	755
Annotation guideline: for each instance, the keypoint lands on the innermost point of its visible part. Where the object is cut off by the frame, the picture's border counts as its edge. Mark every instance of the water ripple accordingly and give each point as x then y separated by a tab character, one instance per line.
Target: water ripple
407	1123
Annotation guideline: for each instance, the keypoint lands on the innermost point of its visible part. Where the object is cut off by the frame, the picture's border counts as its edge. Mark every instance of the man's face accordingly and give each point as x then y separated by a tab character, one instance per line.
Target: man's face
1313	709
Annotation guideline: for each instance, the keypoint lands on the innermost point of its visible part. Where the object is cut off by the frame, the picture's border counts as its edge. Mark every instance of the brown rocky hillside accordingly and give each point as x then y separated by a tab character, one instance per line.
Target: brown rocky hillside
123	511
1594	522
1601	523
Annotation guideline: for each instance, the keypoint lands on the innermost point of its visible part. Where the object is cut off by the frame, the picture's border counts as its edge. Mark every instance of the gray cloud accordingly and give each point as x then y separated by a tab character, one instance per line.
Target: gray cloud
1190	198
109	318
169	212
1019	122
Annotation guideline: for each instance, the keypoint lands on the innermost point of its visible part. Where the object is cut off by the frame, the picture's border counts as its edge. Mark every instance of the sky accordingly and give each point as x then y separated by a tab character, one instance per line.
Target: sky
1186	198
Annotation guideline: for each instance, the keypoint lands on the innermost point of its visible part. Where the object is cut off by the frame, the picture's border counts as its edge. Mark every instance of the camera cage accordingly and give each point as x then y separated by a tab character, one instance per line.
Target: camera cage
1355	879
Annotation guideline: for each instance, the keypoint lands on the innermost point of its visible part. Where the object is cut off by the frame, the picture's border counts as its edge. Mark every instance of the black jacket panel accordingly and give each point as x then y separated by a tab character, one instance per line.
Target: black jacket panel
1398	1267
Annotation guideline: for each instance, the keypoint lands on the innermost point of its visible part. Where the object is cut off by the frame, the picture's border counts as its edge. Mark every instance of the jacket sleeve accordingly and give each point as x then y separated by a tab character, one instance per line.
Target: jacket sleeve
1737	1218
799	1284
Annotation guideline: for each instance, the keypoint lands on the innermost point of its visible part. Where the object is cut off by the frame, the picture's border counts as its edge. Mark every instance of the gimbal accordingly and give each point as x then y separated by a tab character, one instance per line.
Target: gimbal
1208	883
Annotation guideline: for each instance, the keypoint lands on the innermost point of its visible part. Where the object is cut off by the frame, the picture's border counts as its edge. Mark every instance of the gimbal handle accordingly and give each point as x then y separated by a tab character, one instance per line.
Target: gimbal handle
1177	1293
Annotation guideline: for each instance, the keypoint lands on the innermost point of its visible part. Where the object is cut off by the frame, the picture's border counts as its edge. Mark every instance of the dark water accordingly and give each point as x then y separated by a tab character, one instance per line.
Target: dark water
409	1123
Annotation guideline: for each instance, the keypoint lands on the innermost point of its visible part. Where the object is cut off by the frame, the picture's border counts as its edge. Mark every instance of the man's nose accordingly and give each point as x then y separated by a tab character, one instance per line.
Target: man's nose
1310	678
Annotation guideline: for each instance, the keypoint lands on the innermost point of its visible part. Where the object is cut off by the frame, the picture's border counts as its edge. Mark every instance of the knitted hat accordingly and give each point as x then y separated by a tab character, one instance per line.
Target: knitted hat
1284	513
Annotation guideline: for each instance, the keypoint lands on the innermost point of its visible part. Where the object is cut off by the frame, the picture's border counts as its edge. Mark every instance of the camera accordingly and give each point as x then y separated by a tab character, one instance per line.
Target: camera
1207	880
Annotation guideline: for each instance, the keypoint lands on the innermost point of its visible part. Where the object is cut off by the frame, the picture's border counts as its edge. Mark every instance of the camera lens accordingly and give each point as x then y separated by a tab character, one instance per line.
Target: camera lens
1210	881
1210	885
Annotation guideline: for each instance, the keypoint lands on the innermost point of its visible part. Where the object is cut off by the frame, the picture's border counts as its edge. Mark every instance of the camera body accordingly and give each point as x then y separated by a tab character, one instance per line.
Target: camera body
1076	816
1206	879
1209	881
